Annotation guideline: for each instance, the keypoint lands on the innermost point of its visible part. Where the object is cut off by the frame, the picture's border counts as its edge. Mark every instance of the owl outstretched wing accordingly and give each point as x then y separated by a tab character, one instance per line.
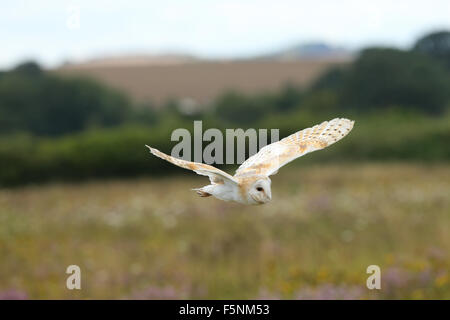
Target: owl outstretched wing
216	176
273	156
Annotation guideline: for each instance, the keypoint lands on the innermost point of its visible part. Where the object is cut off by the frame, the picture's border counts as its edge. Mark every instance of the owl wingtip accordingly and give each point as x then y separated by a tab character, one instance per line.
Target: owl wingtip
152	150
352	122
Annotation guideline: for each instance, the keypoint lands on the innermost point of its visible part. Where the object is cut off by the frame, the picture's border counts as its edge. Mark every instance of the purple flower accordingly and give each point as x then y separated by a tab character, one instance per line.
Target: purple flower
425	277
319	203
158	293
264	294
394	278
330	292
436	253
13	294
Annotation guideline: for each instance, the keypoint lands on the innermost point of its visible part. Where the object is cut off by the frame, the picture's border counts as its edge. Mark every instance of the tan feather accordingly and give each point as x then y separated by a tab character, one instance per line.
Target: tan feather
216	176
273	156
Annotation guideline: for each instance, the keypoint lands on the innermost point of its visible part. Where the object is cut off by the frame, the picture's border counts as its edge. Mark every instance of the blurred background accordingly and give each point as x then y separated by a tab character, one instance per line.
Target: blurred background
83	86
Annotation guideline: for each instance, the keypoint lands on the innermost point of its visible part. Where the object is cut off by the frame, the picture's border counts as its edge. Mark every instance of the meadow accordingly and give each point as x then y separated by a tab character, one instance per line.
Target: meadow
153	238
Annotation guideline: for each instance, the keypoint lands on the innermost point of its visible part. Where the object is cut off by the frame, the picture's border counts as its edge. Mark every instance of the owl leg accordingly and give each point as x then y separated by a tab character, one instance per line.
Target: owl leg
202	193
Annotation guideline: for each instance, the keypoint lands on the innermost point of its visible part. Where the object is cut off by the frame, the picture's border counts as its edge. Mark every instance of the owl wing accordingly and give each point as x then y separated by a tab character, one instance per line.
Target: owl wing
273	156
216	176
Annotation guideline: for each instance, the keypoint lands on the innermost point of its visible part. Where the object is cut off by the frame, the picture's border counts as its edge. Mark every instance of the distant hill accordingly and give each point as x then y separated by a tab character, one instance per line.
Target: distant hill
158	78
133	60
316	50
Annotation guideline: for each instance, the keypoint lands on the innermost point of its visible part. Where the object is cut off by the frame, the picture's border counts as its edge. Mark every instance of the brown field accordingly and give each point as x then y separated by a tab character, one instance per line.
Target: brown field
201	81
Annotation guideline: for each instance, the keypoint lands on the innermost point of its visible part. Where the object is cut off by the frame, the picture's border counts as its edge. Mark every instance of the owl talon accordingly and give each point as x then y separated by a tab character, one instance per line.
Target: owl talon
202	194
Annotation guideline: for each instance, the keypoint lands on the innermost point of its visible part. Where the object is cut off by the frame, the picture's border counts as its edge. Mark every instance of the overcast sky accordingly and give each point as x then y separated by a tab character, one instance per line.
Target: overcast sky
54	31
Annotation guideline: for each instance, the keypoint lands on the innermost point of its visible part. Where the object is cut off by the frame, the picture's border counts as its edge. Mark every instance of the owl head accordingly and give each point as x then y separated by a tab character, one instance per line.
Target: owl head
260	191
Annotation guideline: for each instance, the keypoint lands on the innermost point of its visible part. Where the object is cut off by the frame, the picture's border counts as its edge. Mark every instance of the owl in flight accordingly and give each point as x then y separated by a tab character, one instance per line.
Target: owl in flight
251	182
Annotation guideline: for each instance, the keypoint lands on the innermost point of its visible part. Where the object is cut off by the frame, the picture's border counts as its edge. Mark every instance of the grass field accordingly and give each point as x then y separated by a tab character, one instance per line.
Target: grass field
156	239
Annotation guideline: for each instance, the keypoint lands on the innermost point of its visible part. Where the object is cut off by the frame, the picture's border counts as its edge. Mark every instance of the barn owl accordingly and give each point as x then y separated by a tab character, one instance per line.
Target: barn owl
251	183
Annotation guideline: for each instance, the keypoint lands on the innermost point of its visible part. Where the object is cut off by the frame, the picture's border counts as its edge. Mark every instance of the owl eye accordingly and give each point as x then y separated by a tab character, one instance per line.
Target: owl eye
259	189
